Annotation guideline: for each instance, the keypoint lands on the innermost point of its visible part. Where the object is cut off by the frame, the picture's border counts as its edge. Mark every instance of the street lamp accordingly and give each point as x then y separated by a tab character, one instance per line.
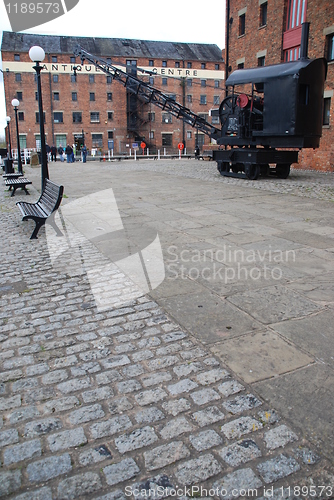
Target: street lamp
9	151
15	104
37	55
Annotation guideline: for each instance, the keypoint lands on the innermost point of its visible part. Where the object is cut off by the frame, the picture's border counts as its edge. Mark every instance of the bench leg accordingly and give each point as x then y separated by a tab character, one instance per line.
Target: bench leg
13	192
39	224
26	190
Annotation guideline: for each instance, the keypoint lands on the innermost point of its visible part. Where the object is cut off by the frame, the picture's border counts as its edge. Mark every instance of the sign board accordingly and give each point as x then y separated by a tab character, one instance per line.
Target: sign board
135	145
180	146
143	145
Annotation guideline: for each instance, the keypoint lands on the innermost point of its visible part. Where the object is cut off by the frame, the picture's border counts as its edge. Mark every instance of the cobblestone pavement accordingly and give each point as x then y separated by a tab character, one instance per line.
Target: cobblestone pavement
125	403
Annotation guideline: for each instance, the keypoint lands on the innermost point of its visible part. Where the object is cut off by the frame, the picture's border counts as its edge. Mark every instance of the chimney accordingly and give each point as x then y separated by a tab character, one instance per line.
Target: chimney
304	40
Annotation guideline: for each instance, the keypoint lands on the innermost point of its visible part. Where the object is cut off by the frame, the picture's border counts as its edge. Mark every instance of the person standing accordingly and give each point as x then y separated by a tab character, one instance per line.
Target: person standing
84	153
69	153
61	152
53	153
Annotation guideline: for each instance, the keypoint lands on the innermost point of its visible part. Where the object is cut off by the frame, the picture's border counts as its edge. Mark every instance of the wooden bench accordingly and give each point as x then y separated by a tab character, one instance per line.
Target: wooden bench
44	208
15	183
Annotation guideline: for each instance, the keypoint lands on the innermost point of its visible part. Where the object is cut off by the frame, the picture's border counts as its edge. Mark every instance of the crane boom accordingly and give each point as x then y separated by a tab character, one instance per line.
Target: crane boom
147	93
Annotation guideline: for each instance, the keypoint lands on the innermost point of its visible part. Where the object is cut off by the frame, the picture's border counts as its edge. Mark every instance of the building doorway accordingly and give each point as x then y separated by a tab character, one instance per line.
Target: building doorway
79	141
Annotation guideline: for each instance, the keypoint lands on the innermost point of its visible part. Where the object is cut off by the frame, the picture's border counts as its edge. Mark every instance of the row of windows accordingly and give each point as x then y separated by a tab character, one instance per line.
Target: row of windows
54	59
189	97
58	117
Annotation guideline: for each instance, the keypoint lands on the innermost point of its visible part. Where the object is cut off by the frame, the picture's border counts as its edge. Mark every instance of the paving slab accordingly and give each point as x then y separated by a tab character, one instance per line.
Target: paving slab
261	355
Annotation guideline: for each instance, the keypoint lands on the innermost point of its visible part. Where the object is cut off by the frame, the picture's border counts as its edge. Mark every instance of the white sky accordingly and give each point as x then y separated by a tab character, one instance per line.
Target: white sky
171	20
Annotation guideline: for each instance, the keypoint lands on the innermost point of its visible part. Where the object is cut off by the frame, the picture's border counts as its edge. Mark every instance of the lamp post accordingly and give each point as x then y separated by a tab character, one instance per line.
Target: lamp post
9	151
15	104
37	55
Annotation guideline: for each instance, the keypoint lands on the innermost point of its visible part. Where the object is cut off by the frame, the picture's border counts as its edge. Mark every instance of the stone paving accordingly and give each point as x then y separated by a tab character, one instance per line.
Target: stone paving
124	402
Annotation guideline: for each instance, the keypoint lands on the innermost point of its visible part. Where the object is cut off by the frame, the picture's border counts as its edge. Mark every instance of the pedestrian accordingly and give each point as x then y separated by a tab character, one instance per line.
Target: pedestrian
69	153
61	152
74	150
84	153
53	153
48	151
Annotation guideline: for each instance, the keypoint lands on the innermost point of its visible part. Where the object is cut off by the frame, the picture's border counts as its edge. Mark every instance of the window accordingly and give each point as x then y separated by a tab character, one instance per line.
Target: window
36	96
164	81
189	134
110	134
91	78
61	140
55	78
151	80
73	78
18	77
54	59
242	24
189	82
108	60
95	117
166	118
189	65
110	116
330	47
172	97
58	117
151	62
166	139
23	141
164	64
189	98
56	96
296	13
109	96
217	84
77	117
263	14
217	67
151	135
177	64
216	100
19	96
74	96
92	96
109	79
203	65
37	116
151	117
241	65
215	120
327	109
97	140
16	57
202	99
261	61
72	60
21	116
203	83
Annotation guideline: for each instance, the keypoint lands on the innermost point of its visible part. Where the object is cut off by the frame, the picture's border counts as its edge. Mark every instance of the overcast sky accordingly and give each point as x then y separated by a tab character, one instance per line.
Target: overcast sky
170	20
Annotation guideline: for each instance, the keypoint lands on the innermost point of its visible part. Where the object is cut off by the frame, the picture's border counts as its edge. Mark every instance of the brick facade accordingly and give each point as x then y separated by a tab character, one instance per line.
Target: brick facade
267	40
195	64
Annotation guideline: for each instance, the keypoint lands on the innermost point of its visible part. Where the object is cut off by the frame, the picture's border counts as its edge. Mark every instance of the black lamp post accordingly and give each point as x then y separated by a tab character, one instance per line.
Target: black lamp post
37	55
9	151
15	104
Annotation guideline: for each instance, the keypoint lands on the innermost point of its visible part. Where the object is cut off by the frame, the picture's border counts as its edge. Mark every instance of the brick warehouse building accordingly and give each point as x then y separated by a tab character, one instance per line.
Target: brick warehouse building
93	106
262	32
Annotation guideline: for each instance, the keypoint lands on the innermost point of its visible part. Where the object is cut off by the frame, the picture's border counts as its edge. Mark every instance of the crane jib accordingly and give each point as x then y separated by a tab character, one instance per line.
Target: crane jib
147	93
